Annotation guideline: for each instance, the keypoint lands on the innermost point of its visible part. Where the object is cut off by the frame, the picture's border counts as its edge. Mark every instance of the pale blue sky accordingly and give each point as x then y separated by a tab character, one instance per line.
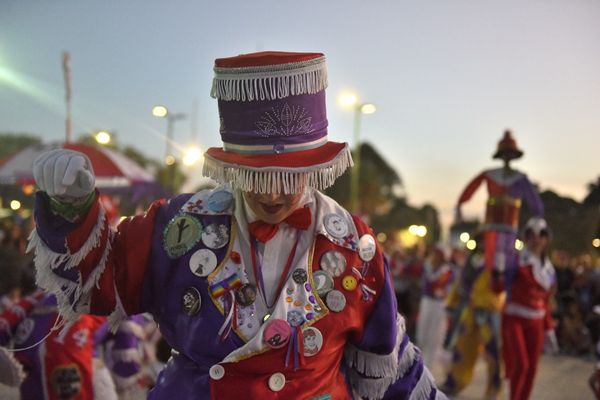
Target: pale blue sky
447	76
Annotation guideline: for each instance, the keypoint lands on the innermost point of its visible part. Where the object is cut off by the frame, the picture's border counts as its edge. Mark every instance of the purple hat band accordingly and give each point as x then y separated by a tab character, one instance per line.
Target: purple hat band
294	123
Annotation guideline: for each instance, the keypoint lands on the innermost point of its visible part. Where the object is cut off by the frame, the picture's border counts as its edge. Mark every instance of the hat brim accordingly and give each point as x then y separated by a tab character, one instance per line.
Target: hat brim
283	172
305	159
511	154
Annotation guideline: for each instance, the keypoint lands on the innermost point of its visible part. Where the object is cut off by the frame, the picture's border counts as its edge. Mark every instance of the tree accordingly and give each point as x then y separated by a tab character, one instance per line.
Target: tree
15	142
380	199
593	197
573	224
378	183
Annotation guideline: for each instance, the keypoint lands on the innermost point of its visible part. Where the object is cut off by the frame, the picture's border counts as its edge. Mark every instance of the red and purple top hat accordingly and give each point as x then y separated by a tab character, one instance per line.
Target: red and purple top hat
507	147
274	124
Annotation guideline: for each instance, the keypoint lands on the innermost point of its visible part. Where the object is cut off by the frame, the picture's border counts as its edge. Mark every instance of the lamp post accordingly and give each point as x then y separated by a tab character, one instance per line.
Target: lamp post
350	100
162	112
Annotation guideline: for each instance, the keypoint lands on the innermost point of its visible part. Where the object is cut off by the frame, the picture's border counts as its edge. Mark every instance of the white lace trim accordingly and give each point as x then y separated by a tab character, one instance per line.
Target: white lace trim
278	179
371	374
269	82
72	297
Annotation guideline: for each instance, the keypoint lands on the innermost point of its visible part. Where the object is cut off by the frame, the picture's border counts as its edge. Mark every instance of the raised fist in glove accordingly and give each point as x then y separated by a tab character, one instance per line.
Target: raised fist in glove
64	174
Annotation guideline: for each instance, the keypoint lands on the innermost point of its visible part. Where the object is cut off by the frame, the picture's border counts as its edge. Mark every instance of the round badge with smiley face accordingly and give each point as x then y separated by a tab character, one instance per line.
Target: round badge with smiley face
349	283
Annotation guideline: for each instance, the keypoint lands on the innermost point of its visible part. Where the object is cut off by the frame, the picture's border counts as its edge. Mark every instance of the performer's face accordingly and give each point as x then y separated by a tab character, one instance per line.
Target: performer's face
273	208
537	243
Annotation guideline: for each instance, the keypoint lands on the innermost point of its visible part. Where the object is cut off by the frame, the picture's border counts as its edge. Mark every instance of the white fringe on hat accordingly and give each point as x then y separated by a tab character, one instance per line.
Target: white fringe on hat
269	82
278	179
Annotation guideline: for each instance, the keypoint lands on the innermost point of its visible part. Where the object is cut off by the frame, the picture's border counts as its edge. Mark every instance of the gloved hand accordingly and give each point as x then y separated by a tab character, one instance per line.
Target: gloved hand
550	342
64	174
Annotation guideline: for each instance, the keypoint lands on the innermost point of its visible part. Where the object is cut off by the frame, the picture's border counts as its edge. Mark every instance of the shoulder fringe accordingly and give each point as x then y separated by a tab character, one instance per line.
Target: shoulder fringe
72	297
278	179
371	374
270	82
369	388
424	386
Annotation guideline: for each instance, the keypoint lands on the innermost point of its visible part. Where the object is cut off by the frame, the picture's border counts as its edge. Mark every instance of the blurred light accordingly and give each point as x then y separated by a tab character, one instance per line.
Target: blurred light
169	160
102	137
28	189
421	231
596	242
382	237
518	244
15	205
160	111
413	229
471	244
348	100
192	156
464	237
122	218
368	108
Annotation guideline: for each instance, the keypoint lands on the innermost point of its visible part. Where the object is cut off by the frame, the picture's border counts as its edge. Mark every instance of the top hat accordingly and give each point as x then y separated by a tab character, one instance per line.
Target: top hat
273	124
507	147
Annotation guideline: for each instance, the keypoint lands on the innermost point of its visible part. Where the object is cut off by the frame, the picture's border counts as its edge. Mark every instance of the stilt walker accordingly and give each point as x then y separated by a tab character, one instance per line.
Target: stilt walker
507	188
264	287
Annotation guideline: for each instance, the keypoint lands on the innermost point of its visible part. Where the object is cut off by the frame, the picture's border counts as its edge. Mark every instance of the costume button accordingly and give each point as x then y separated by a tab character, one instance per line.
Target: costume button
216	372
277	382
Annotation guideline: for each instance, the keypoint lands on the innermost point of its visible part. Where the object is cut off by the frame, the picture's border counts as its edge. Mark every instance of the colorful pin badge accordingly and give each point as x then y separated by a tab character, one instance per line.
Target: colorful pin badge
215	236
203	262
295	318
313	341
349	282
191	301
323	282
219	201
245	295
366	247
336	226
299	276
336	301
333	262
276	333
181	234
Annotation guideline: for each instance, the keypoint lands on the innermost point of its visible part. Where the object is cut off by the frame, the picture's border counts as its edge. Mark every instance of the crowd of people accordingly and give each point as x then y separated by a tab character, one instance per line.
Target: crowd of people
83	360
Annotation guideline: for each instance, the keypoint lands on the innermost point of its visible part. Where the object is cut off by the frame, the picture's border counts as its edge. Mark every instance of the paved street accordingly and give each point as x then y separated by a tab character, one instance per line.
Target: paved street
558	378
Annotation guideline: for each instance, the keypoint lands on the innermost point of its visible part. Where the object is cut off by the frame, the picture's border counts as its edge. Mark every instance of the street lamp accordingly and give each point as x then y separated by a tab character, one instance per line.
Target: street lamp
350	100
163	112
102	137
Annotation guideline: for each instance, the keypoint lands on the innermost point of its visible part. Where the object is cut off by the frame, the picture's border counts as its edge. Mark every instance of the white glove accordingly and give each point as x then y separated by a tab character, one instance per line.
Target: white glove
64	174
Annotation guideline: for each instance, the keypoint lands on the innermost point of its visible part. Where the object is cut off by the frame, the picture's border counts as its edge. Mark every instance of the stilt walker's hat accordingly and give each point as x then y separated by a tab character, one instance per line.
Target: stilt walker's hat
507	147
274	124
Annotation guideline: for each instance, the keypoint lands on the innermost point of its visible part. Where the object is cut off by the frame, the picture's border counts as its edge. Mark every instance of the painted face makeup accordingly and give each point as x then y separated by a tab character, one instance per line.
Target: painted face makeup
273	207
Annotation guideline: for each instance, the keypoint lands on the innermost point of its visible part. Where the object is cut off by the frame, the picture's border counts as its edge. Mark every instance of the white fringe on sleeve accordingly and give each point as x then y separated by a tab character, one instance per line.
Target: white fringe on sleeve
371	374
72	297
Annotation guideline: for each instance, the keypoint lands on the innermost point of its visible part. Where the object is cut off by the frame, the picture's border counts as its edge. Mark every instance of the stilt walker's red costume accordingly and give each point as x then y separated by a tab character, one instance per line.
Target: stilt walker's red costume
507	189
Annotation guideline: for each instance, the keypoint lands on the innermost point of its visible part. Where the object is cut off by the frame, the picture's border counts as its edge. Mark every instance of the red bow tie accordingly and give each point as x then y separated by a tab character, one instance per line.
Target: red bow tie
263	231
